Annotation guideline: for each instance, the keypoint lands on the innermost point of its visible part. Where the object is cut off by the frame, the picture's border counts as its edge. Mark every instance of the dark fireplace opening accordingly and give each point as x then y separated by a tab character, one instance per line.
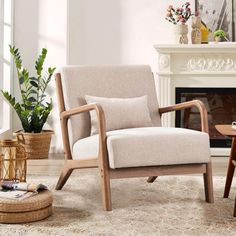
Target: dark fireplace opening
221	108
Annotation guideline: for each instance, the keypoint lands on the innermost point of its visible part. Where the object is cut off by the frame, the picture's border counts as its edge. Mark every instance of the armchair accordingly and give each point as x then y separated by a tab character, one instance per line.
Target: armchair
132	152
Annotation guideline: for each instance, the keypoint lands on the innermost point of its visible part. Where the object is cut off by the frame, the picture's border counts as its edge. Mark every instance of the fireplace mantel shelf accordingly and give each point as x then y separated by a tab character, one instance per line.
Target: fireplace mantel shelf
219	73
193	66
229	47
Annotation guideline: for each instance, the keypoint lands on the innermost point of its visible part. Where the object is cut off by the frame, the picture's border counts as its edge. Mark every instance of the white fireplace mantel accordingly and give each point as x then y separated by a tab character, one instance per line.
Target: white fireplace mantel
208	65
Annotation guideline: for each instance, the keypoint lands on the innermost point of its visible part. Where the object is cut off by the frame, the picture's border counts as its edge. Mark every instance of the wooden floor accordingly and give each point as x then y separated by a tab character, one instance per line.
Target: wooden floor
53	165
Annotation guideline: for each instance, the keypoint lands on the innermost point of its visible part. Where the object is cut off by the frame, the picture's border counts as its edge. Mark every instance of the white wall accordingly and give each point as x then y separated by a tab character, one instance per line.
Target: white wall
37	24
99	32
118	31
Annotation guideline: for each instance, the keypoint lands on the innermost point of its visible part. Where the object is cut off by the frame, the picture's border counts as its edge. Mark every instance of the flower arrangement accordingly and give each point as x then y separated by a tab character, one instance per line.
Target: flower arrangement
179	15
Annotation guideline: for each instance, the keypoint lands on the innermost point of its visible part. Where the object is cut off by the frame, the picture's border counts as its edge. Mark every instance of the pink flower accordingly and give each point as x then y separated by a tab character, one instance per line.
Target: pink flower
180	14
170	7
179	10
179	17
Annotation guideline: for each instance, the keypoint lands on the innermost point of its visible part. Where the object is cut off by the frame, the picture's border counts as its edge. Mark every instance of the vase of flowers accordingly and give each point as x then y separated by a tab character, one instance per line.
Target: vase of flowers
179	17
181	34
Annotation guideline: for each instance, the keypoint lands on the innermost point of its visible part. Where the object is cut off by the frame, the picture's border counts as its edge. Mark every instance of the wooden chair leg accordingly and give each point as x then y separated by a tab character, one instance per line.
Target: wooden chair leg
65	174
151	179
208	184
106	190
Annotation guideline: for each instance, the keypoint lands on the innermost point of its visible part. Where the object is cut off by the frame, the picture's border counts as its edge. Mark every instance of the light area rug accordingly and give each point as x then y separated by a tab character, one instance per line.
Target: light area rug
172	205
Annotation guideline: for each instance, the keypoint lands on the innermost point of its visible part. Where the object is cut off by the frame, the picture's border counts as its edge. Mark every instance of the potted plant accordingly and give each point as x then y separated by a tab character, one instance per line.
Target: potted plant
219	35
33	109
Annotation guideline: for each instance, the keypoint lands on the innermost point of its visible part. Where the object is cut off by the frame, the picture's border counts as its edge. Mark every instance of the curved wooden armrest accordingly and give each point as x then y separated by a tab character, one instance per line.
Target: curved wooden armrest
86	108
195	103
234	162
65	115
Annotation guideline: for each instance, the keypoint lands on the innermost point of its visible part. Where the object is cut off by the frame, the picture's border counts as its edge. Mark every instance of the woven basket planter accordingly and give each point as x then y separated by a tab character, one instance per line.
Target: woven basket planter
36	144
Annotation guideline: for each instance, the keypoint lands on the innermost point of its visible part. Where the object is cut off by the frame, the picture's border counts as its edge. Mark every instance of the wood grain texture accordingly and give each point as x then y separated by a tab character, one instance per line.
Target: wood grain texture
208	184
226	130
133	172
195	103
231	168
61	106
151	179
71	165
101	160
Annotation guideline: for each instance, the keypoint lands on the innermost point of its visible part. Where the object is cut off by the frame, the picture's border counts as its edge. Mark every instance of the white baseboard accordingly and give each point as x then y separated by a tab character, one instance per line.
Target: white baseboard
220	151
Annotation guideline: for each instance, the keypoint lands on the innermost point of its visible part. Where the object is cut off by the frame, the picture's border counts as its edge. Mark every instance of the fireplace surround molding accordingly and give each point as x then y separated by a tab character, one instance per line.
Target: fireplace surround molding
194	66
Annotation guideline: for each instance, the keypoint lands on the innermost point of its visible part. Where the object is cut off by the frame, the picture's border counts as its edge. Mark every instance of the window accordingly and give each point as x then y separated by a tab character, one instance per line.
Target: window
6	31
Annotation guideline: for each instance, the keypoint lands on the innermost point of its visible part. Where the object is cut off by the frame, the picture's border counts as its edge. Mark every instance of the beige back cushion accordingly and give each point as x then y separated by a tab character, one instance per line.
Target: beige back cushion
120	113
124	81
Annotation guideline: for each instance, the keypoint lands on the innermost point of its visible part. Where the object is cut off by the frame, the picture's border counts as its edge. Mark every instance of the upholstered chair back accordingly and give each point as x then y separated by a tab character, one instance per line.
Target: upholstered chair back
105	81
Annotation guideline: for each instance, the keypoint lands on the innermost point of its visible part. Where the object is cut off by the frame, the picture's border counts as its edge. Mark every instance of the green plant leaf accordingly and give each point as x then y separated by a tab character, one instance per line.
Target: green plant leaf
21	80
32	99
33	78
51	70
39	63
33	83
32	111
33	91
8	97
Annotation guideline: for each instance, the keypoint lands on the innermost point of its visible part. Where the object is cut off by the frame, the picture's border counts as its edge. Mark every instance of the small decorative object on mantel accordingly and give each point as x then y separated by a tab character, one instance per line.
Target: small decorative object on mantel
196	32
33	109
12	161
218	14
220	35
234	125
181	34
179	17
204	33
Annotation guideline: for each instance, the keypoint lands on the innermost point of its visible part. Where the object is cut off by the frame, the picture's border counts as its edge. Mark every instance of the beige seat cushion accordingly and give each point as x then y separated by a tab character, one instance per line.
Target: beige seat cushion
121	113
148	146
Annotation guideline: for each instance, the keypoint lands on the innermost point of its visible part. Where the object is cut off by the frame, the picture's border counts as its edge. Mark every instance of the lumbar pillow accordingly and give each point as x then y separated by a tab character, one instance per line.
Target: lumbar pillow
121	113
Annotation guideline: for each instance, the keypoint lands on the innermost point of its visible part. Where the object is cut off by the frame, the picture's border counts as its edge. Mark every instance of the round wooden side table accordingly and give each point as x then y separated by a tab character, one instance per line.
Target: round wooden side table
31	209
227	130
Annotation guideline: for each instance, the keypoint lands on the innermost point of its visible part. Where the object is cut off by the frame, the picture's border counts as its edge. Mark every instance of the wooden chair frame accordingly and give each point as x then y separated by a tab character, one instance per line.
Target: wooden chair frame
234	163
101	161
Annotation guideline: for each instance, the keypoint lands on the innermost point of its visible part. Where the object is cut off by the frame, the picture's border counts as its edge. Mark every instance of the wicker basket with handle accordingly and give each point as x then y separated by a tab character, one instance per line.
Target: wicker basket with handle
36	144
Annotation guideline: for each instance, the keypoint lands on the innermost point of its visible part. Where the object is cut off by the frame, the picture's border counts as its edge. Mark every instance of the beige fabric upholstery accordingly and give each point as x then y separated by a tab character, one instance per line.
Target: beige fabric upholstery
148	147
106	81
121	113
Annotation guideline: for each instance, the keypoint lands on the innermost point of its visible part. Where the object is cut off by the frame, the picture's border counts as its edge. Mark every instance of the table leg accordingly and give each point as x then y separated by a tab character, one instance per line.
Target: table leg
231	167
